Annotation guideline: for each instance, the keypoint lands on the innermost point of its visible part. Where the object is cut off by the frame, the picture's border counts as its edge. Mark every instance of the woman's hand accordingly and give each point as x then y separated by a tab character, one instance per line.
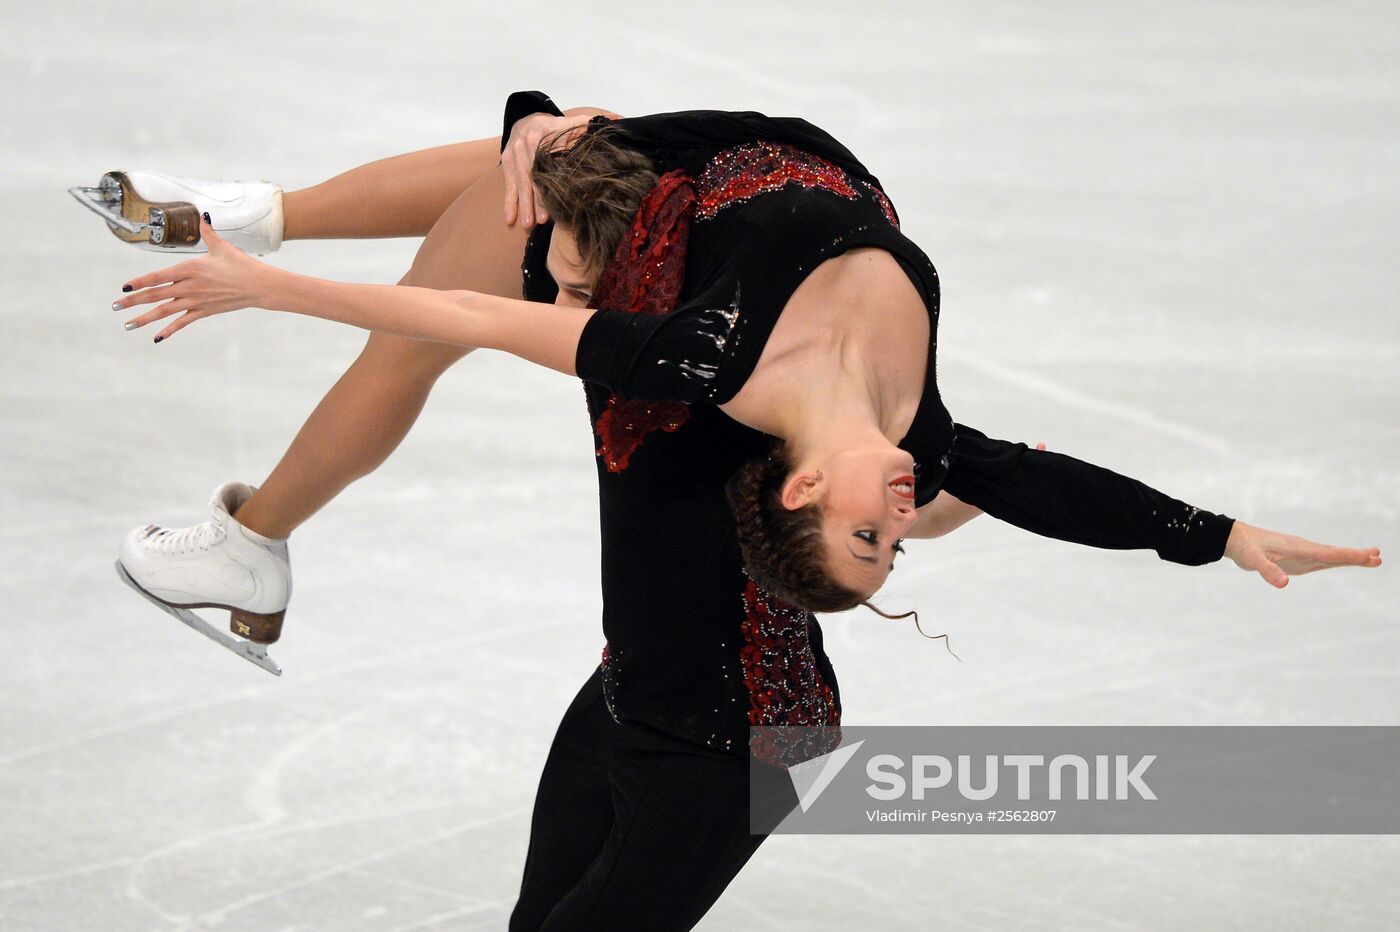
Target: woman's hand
1276	556
224	280
518	158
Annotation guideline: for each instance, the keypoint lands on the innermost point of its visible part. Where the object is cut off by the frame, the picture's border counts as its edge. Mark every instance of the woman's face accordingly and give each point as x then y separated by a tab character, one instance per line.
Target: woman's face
867	496
867	499
566	268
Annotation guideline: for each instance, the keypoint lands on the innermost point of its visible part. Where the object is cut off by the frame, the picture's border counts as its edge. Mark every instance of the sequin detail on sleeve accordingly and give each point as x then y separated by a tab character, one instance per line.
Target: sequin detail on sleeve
743	172
780	670
609	667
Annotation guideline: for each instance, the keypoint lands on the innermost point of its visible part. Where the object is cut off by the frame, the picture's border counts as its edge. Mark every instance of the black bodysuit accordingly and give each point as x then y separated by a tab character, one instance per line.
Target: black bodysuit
695	648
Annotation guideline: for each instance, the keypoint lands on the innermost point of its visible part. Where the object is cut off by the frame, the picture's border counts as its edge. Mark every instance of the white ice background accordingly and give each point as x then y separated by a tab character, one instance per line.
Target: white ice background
1167	236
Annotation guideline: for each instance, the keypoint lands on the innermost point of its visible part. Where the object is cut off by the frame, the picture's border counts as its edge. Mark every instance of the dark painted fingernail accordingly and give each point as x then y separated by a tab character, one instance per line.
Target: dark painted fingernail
158	339
207	220
126	288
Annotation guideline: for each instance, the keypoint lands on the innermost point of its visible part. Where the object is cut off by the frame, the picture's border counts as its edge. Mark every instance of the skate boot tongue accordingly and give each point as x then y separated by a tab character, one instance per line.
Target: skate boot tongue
229	497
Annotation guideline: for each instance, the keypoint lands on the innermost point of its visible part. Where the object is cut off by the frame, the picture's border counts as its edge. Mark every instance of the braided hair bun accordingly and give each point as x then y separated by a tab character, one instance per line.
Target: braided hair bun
782	547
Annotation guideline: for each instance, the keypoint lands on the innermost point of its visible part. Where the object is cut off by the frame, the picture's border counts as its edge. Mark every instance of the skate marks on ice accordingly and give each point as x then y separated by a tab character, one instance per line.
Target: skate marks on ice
220	915
135	868
248	650
1043	387
416	652
304	851
263	798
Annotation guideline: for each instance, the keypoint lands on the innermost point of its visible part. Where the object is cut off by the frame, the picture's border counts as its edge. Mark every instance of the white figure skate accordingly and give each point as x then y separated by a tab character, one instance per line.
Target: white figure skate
217	564
161	212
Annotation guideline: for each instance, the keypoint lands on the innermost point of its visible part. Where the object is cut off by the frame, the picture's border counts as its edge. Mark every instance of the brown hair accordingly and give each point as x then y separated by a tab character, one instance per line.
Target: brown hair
593	189
783	549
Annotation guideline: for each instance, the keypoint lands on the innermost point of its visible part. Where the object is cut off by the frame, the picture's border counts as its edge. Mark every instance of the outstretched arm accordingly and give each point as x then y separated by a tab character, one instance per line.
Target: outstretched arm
227	279
944	515
1058	496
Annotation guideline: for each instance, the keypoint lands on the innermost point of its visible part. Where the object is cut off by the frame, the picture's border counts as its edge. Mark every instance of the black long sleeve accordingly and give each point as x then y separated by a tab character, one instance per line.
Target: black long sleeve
671	357
1058	496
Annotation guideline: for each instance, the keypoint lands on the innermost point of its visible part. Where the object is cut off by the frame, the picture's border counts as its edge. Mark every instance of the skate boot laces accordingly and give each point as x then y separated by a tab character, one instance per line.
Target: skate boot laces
198	537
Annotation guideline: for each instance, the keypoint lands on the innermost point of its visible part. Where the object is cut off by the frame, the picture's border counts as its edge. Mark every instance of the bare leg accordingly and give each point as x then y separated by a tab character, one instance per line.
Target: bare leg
380	396
399	196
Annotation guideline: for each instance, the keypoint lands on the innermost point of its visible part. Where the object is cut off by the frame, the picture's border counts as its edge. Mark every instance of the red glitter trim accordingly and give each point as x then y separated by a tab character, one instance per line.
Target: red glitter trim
645	276
743	172
780	670
885	204
625	423
787	746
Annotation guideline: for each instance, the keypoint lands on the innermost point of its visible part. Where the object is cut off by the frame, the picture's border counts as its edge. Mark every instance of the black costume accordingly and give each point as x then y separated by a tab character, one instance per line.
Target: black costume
696	652
804	200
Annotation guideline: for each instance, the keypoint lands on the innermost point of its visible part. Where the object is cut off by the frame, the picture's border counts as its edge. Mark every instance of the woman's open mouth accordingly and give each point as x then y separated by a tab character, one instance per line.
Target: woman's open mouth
903	486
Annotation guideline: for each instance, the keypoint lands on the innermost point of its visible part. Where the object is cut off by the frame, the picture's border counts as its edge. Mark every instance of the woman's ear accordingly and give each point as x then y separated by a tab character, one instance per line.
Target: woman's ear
801	489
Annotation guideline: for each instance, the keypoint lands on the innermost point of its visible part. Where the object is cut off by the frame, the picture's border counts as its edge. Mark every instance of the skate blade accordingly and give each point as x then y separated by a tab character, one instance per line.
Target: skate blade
248	650
132	218
100	202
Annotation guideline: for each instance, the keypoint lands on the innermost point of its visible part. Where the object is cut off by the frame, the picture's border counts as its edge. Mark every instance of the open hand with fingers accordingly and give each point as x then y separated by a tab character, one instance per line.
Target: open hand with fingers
1277	556
225	279
518	158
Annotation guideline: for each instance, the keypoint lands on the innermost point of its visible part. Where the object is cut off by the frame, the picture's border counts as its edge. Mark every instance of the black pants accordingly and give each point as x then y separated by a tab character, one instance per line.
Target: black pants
633	829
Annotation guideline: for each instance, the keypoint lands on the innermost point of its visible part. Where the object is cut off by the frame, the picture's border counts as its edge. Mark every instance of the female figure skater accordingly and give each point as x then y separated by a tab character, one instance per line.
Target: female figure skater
847	378
641	825
642	813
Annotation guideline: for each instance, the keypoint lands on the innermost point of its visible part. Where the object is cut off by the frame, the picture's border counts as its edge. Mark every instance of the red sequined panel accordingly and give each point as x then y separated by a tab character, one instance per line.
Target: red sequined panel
780	670
885	204
788	746
645	276
743	172
625	423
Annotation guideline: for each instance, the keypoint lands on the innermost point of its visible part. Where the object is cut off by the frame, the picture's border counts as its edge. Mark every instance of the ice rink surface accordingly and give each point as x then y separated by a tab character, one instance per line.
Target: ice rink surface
1167	239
